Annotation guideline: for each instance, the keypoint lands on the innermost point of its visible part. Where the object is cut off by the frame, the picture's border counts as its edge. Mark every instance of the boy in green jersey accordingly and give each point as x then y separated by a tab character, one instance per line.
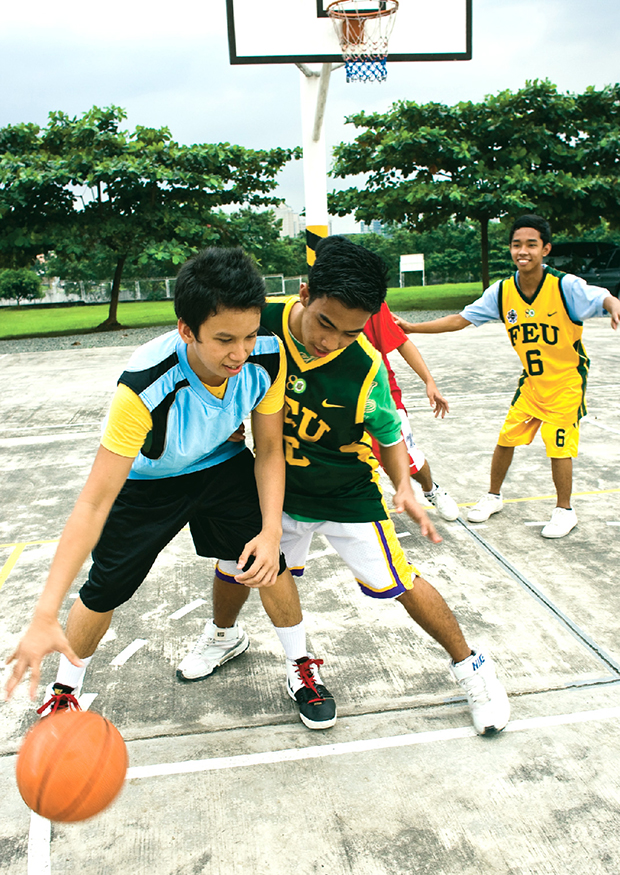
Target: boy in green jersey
337	394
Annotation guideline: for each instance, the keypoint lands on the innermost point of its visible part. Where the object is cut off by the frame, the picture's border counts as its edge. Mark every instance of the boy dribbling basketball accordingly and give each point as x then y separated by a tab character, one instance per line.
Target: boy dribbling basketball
164	461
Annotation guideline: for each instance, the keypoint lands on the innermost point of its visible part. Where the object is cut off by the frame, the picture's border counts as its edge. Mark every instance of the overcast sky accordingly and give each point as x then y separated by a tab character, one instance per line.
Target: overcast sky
167	64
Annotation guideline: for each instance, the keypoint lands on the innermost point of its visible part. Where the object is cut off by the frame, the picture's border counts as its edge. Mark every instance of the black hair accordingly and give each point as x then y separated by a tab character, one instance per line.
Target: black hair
217	277
532	221
354	275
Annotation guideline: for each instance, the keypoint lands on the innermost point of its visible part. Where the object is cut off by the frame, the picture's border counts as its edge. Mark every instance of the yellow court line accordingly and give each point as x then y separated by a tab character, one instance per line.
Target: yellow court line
534	498
29	543
10	563
544	497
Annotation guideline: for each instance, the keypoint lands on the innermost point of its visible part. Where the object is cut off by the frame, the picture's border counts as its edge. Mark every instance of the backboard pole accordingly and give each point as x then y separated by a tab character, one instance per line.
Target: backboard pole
313	97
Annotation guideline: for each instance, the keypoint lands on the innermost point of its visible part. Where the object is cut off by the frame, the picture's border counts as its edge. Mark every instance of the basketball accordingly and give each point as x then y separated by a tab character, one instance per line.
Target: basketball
71	765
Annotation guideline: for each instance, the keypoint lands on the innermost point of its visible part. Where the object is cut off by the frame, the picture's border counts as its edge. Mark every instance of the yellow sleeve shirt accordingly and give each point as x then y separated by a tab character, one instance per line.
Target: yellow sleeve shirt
129	420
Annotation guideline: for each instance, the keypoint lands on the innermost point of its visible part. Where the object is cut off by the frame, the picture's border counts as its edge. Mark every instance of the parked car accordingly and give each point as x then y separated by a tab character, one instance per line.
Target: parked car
604	270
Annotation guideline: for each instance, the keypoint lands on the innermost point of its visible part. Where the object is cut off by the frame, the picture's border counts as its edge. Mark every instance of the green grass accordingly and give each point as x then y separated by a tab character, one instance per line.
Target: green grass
453	296
25	321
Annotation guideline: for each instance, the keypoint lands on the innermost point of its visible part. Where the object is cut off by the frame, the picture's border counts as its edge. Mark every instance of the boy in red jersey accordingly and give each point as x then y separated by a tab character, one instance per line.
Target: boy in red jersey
386	336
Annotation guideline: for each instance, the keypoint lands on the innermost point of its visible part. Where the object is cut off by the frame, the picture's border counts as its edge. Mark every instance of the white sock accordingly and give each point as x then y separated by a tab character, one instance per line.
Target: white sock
293	640
432	491
71	675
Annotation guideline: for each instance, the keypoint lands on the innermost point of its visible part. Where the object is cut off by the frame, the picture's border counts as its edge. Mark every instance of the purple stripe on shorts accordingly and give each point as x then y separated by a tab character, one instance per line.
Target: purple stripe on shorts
388	554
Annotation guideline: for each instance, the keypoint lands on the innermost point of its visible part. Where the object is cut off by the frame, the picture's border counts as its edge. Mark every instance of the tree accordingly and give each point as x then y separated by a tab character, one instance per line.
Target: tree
511	153
450	250
35	201
259	234
599	141
139	197
19	285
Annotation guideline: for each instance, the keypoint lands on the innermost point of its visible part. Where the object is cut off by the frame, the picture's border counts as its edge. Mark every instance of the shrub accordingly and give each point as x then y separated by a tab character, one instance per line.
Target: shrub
19	285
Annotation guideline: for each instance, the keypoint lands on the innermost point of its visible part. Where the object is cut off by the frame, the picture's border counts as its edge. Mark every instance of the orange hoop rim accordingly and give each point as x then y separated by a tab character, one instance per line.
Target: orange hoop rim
343	15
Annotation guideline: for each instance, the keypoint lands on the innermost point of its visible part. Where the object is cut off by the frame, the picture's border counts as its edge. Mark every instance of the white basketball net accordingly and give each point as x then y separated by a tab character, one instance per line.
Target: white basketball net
363	28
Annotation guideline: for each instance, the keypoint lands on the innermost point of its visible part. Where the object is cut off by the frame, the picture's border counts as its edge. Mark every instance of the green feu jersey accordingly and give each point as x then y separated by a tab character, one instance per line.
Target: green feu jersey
331	472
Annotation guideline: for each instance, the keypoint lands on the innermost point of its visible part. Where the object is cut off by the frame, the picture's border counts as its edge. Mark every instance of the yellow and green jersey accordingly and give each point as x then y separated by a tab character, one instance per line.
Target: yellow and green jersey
331	472
548	342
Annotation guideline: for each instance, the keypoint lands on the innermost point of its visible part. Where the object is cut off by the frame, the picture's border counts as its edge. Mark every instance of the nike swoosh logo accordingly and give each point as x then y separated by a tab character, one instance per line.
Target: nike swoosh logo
326	404
552	314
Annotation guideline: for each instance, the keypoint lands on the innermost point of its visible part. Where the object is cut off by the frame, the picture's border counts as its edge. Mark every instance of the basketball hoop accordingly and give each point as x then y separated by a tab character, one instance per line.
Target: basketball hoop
363	28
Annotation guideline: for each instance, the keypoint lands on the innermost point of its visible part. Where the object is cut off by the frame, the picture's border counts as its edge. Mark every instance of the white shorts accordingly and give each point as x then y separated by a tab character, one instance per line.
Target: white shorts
371	550
416	456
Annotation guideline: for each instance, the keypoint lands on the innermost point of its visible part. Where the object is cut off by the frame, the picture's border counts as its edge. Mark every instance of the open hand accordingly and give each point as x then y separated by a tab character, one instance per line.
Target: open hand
43	636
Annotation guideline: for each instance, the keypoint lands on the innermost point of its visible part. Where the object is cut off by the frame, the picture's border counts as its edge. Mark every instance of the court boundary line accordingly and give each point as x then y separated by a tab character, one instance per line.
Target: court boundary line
540	596
360	746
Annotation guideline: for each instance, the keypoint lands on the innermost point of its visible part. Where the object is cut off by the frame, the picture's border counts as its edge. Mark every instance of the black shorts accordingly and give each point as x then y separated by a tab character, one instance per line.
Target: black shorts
219	503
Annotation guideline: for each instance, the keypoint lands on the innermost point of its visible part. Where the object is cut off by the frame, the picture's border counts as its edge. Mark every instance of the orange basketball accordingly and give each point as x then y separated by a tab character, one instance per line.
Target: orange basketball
71	765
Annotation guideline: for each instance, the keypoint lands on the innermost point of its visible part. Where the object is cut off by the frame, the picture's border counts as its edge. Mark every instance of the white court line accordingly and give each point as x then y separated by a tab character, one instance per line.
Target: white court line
48	426
86	700
129	651
35	440
600	425
613	523
185	610
414	398
39	837
362	746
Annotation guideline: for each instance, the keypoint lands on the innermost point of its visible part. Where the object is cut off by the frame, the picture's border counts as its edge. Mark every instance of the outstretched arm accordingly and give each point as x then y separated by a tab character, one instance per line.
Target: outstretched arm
269	470
413	357
454	322
395	461
80	535
612	305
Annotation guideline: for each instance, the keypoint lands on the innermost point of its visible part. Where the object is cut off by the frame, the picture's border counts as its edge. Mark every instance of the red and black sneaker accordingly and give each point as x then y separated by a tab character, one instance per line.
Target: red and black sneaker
58	697
317	707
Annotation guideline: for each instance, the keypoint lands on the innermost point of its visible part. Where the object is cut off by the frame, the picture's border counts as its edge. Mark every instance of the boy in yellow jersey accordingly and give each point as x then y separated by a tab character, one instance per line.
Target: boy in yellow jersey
337	396
165	461
543	311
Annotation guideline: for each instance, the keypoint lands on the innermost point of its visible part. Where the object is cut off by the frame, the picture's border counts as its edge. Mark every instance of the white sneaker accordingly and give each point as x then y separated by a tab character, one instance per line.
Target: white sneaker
486	697
214	647
446	506
561	523
484	507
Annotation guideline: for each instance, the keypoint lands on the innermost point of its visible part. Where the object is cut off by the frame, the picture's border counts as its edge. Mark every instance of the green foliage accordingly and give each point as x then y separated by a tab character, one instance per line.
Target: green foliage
535	150
20	284
451	252
90	191
259	234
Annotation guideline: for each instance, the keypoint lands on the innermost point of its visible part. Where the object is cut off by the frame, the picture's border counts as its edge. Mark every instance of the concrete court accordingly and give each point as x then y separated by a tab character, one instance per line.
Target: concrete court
401	784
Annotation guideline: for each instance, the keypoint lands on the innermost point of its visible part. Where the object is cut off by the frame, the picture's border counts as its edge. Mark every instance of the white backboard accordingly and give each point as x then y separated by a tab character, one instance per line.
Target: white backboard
299	31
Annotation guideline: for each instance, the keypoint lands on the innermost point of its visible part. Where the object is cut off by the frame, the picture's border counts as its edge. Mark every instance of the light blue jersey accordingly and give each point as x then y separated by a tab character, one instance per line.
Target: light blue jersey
191	426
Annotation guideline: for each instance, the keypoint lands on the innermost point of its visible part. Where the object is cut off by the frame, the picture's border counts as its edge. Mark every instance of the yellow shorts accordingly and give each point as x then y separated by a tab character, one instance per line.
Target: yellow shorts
561	442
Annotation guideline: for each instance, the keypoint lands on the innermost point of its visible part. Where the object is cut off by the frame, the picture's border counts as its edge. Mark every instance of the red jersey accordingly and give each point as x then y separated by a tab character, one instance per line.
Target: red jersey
386	336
